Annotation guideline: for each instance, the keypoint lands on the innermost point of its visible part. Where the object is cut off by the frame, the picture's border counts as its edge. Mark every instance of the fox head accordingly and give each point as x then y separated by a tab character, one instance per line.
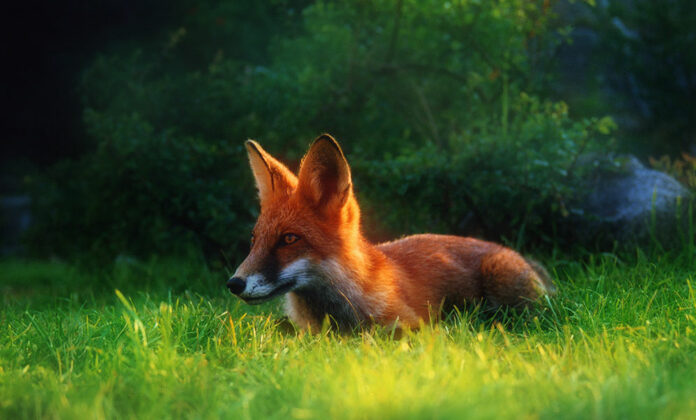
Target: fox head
304	220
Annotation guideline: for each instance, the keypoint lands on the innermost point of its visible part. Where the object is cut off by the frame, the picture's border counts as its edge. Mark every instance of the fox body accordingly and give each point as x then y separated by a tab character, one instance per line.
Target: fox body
307	245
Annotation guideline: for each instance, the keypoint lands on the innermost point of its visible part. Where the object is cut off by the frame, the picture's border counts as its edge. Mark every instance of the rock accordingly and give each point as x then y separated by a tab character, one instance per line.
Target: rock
632	204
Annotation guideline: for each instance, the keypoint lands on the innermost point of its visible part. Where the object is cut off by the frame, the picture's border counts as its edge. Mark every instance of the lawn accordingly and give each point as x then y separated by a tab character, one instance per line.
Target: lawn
163	339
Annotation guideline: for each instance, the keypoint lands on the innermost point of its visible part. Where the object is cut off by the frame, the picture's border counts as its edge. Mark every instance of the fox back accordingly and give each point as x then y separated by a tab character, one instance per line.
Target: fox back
307	245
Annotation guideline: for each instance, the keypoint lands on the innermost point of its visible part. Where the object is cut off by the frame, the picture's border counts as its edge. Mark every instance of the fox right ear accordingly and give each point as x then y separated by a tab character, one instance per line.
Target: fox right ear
272	177
324	178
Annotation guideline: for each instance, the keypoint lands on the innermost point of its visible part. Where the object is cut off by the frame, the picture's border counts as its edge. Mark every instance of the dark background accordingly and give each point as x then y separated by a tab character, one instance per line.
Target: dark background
46	47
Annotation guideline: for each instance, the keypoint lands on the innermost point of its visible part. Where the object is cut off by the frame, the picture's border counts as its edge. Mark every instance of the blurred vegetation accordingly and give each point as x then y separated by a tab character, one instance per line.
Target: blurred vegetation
644	62
682	168
442	108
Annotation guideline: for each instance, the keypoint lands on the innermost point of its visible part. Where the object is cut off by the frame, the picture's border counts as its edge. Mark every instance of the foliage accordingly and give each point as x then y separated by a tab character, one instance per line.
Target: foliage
494	184
683	169
402	72
647	57
448	88
71	350
140	191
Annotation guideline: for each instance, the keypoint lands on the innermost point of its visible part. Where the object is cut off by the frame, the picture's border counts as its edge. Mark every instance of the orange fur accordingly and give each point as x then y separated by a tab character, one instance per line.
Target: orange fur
333	271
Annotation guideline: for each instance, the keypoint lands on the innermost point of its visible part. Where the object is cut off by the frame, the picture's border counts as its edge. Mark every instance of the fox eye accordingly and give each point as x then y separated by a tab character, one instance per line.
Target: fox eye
290	238
252	239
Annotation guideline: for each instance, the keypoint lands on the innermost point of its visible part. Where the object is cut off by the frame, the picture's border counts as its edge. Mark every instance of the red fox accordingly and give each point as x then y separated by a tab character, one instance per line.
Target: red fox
307	245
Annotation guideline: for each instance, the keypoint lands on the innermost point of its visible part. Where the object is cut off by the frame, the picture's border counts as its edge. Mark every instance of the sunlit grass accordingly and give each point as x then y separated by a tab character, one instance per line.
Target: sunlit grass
618	342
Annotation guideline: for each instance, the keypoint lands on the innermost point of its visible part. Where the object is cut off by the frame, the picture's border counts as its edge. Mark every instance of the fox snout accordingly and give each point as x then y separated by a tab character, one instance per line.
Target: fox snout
253	288
263	285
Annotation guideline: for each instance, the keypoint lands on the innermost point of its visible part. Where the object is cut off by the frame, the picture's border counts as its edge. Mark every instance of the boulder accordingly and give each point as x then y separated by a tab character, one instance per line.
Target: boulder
631	204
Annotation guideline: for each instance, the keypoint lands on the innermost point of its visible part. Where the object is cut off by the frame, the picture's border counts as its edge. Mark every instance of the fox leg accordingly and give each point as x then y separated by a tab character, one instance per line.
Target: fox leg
510	280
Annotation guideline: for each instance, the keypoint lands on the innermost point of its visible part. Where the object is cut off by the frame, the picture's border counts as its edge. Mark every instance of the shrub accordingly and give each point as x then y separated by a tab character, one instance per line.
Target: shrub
683	169
141	192
436	104
522	186
647	57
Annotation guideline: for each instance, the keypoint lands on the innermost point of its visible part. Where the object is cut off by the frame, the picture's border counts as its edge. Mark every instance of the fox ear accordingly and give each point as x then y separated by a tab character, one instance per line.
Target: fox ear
324	177
272	177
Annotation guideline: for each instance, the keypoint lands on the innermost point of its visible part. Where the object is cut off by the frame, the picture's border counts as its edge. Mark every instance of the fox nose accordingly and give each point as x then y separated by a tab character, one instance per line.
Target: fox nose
236	285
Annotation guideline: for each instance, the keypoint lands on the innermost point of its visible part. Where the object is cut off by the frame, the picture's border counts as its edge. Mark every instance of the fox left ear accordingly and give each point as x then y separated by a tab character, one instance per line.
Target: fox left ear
272	177
324	177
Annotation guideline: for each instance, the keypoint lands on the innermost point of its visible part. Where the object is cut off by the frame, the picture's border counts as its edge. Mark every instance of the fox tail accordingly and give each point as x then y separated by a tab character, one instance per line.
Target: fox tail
543	275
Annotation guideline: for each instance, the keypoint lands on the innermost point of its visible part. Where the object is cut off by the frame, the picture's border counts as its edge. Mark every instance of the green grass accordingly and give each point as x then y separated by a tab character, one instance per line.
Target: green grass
618	342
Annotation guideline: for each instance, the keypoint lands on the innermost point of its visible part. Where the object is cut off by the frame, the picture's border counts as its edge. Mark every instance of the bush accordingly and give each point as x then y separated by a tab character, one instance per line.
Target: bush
140	192
435	103
647	58
523	186
683	169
